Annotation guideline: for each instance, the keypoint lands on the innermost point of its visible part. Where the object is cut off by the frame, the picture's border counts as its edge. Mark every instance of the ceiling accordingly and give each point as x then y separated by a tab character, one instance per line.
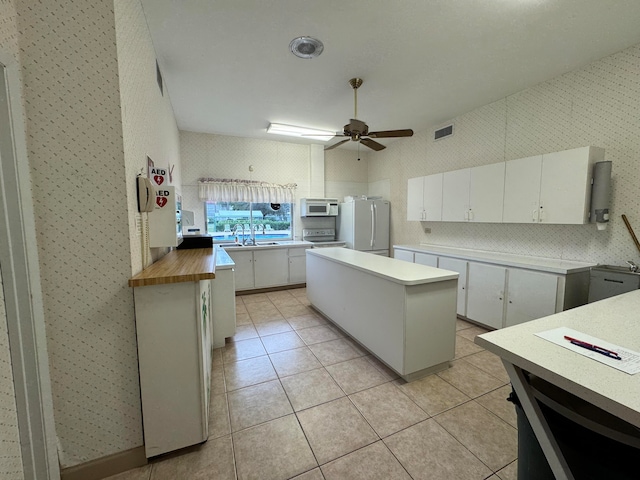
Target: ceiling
228	69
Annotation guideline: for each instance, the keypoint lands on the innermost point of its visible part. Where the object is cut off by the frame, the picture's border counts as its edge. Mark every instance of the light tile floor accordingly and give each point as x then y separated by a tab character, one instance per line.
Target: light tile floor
293	397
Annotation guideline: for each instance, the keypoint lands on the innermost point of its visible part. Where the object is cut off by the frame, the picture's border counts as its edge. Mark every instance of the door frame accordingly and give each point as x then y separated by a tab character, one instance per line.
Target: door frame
21	283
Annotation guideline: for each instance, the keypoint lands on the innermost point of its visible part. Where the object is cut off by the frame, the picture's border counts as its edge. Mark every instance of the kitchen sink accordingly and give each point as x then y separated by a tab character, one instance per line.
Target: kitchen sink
231	245
267	243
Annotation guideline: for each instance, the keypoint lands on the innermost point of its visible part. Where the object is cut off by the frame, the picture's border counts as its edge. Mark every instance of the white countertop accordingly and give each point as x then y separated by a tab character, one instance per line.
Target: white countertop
615	320
397	271
543	264
223	260
280	244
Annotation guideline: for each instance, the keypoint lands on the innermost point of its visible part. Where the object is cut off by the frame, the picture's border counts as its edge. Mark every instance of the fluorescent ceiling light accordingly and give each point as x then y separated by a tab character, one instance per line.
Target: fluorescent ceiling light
293	131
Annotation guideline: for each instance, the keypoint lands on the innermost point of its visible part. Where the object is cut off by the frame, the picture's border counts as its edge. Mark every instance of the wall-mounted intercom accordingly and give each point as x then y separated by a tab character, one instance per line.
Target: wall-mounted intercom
146	194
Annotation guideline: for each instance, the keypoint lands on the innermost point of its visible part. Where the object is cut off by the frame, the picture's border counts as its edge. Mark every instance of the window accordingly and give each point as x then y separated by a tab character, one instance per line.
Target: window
225	220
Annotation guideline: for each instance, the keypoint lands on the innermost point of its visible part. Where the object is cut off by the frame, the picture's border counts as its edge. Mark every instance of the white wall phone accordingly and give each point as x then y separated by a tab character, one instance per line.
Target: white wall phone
146	194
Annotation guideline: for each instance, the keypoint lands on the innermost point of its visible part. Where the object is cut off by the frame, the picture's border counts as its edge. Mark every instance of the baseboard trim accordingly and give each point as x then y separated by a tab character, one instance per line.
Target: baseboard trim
106	466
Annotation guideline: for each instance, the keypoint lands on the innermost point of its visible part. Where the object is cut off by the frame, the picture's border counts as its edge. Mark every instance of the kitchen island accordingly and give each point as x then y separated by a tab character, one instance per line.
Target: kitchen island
527	356
403	313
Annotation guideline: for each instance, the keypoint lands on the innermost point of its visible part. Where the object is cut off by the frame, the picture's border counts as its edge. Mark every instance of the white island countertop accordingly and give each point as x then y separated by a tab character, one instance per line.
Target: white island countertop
397	271
543	264
614	320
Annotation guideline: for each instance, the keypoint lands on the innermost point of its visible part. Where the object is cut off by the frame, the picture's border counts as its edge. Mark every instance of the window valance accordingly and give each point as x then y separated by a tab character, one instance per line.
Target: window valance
232	190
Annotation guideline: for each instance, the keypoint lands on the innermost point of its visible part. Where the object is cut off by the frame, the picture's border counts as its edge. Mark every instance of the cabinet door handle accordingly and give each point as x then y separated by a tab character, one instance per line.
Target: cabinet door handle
534	215
542	214
470	216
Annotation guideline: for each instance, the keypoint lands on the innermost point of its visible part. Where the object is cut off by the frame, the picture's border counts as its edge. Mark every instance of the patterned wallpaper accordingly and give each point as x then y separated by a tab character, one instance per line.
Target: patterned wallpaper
345	174
149	127
220	156
10	455
595	105
76	154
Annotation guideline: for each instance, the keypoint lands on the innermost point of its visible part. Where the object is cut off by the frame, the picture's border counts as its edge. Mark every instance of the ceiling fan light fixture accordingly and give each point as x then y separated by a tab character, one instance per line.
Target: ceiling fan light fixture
295	131
306	47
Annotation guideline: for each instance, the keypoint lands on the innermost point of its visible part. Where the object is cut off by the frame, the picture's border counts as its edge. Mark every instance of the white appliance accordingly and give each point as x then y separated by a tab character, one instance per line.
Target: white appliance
364	225
318	207
321	237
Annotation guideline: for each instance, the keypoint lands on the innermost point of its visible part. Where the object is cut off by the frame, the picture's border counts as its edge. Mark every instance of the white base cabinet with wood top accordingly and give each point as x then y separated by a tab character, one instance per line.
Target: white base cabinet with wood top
174	332
173	326
501	290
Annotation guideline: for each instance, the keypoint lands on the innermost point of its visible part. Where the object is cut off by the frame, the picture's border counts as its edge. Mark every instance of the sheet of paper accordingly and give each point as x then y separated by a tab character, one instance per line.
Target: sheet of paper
630	362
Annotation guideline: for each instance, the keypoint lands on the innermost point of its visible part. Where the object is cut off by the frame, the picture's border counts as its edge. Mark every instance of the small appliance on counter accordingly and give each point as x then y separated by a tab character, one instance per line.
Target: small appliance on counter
321	237
196	241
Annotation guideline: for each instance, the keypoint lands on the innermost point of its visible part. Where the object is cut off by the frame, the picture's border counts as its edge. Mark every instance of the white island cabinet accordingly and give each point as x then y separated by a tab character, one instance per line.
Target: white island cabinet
403	313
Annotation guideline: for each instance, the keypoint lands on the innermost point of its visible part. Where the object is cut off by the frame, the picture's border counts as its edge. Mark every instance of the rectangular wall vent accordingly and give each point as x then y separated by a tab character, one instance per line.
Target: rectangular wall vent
443	132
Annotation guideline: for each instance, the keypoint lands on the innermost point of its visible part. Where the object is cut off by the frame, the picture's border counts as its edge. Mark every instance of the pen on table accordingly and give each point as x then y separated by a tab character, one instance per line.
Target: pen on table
594	348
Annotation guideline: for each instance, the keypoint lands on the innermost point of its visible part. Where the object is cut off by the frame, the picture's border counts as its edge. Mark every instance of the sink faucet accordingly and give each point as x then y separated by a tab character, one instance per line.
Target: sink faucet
239	226
632	266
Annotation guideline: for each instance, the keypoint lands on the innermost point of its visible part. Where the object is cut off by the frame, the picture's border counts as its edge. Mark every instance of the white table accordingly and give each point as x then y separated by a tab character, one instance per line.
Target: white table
403	313
614	320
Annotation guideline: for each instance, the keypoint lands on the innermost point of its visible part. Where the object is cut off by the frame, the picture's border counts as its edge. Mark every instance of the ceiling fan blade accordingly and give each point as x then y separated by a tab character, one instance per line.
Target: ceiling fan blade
330	147
372	144
392	133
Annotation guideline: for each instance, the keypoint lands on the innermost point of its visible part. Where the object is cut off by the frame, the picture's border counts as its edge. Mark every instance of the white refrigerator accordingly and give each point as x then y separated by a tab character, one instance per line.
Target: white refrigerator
364	225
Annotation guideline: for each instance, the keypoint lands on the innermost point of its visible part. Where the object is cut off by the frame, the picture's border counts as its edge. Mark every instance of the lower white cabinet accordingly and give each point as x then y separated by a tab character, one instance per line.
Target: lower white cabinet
460	266
223	306
268	267
485	295
425	259
173	327
243	269
297	265
501	295
530	295
405	255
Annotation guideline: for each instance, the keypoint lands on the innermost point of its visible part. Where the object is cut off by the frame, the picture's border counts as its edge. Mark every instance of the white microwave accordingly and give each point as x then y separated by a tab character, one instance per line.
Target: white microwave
318	207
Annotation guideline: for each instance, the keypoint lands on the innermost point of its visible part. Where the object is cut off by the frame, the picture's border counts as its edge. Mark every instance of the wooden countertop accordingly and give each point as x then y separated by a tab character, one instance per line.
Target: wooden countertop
177	266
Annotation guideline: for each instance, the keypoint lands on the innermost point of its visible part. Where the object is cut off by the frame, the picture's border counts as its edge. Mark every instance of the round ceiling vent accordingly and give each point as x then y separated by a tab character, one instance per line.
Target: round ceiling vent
306	47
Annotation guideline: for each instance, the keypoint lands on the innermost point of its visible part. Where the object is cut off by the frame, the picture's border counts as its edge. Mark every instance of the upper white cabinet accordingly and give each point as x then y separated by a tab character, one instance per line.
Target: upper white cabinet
424	198
455	195
550	188
486	193
522	190
565	188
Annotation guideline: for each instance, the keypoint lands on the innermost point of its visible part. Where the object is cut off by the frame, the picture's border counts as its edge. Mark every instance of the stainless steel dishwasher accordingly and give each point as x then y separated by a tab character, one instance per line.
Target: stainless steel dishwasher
608	280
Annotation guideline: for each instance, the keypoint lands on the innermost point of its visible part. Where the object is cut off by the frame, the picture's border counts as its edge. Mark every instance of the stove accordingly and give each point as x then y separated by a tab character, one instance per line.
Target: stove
321	237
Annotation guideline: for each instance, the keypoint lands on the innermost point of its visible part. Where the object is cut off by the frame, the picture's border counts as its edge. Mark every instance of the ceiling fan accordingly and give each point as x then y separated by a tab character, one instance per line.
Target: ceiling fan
358	131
